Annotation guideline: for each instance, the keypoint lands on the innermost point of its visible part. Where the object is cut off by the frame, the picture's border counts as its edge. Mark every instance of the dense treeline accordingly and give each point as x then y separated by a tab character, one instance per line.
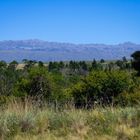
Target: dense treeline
83	83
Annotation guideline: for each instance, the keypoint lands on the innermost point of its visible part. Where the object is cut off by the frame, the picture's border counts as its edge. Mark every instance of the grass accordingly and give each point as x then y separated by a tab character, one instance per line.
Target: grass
26	121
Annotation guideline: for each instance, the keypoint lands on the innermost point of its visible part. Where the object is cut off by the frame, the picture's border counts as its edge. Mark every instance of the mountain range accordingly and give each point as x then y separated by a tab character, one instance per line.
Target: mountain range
54	51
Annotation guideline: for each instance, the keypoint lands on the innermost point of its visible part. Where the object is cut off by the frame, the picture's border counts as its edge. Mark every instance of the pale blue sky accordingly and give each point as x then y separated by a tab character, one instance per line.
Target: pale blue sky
74	21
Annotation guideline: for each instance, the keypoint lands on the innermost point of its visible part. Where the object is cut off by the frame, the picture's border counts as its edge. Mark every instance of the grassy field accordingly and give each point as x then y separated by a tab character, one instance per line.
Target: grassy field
20	121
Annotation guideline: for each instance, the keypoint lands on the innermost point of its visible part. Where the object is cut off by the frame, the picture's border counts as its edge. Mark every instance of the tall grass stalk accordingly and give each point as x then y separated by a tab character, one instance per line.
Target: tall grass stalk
25	120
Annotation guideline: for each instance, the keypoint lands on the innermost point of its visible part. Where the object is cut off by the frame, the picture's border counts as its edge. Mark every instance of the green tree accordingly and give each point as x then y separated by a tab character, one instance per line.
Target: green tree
136	61
124	59
13	65
120	64
94	64
29	63
61	65
40	64
110	66
102	61
3	64
83	65
54	66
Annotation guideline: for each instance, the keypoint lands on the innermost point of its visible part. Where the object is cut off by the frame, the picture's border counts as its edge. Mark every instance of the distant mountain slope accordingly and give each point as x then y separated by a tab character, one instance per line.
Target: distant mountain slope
53	51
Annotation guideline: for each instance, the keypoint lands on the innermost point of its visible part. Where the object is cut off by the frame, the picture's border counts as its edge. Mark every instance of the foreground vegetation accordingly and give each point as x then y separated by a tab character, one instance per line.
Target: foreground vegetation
25	121
95	100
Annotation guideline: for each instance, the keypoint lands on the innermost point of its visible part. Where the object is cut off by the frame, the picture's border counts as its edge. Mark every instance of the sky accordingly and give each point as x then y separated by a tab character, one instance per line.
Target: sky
73	21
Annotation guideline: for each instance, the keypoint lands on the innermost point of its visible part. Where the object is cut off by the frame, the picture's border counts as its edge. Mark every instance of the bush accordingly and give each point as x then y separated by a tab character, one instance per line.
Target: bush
129	99
101	86
37	84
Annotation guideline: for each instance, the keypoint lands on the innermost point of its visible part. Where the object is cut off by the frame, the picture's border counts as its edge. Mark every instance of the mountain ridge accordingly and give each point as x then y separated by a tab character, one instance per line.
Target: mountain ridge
55	51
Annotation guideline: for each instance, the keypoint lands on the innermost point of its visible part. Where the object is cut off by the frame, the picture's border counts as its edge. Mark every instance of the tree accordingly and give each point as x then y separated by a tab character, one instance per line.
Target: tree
102	61
40	64
29	63
110	66
50	66
83	65
94	64
124	59
136	61
40	87
3	64
8	78
13	65
61	65
120	64
74	66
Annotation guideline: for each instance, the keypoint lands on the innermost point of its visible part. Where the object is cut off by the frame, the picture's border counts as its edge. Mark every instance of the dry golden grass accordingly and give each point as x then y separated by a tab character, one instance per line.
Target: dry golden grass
25	121
20	66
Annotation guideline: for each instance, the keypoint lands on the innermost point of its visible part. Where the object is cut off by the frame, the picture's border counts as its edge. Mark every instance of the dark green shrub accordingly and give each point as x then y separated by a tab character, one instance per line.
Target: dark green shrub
37	84
128	99
101	86
136	61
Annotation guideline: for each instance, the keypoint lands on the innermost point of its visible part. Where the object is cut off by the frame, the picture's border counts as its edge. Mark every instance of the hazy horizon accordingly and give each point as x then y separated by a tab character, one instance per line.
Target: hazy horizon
41	40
